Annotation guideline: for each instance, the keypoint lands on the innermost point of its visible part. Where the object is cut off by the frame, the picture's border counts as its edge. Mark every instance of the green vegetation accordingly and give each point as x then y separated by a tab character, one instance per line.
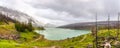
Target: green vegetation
6	30
14	34
29	39
7	44
40	28
22	27
20	35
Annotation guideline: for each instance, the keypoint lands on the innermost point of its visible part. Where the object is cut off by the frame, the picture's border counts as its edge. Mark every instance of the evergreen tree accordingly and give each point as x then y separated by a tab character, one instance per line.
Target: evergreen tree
22	27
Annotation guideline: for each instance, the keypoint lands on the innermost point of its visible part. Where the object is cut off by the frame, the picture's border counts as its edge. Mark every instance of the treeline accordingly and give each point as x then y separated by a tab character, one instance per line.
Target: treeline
23	27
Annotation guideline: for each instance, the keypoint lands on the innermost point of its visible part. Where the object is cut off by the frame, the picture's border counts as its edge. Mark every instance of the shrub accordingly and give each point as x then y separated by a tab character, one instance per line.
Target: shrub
22	27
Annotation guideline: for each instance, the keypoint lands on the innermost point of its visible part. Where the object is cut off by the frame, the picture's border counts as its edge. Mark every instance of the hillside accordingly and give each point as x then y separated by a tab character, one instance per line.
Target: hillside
10	36
34	40
90	25
15	39
19	16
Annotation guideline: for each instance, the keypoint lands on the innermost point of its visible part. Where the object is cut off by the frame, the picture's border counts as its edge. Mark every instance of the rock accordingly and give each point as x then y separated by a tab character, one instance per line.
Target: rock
35	47
89	46
117	44
107	45
9	36
55	47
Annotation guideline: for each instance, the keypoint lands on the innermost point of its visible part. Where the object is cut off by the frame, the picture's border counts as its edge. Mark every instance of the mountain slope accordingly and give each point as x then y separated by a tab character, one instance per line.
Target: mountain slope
4	18
89	25
19	16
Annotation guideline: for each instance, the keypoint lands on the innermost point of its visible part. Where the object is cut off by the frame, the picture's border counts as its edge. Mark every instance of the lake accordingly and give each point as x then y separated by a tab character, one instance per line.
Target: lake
60	34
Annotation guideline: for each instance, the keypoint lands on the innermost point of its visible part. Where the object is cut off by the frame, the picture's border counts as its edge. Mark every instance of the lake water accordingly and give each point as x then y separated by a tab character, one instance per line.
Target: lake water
60	34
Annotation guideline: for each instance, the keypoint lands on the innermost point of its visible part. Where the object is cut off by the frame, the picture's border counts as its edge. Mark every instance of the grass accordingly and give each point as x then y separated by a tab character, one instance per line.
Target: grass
7	44
7	28
26	37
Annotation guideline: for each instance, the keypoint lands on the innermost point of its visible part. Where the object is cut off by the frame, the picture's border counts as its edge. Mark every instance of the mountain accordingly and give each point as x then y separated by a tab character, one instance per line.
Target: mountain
6	19
19	16
90	25
48	25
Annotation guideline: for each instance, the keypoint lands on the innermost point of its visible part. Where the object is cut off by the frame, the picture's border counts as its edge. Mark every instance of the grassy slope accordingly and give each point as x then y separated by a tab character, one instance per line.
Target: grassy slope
6	29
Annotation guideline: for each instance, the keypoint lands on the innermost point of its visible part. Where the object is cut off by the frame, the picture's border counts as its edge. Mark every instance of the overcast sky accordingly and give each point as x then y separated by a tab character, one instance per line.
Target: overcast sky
62	12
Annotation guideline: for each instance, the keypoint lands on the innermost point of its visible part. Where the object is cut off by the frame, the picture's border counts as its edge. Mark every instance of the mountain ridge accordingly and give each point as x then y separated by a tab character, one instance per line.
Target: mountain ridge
90	25
19	16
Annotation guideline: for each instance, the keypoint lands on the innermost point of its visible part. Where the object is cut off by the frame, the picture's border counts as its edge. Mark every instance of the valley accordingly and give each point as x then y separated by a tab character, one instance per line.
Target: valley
19	30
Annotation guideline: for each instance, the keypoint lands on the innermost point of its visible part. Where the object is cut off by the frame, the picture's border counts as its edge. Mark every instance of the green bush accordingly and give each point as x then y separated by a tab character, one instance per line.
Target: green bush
22	27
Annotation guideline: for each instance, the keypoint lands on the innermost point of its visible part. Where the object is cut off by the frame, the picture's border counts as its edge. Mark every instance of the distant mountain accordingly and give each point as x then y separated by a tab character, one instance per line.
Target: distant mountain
90	25
19	16
48	25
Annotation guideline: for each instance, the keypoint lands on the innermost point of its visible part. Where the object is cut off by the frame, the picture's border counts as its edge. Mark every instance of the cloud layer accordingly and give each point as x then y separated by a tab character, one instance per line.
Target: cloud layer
61	12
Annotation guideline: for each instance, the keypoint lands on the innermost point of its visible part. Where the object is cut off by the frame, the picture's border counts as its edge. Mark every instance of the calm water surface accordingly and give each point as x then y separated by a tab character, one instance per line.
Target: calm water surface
60	34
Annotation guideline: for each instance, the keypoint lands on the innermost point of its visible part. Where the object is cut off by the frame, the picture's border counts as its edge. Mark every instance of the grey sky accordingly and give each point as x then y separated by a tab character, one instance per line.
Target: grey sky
62	12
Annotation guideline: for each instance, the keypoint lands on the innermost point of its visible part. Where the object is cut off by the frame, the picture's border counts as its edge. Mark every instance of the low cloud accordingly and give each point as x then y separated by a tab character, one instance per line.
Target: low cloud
61	12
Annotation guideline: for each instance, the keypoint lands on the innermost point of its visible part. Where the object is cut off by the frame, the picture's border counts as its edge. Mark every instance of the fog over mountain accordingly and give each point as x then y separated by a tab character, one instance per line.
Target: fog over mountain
62	12
19	16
